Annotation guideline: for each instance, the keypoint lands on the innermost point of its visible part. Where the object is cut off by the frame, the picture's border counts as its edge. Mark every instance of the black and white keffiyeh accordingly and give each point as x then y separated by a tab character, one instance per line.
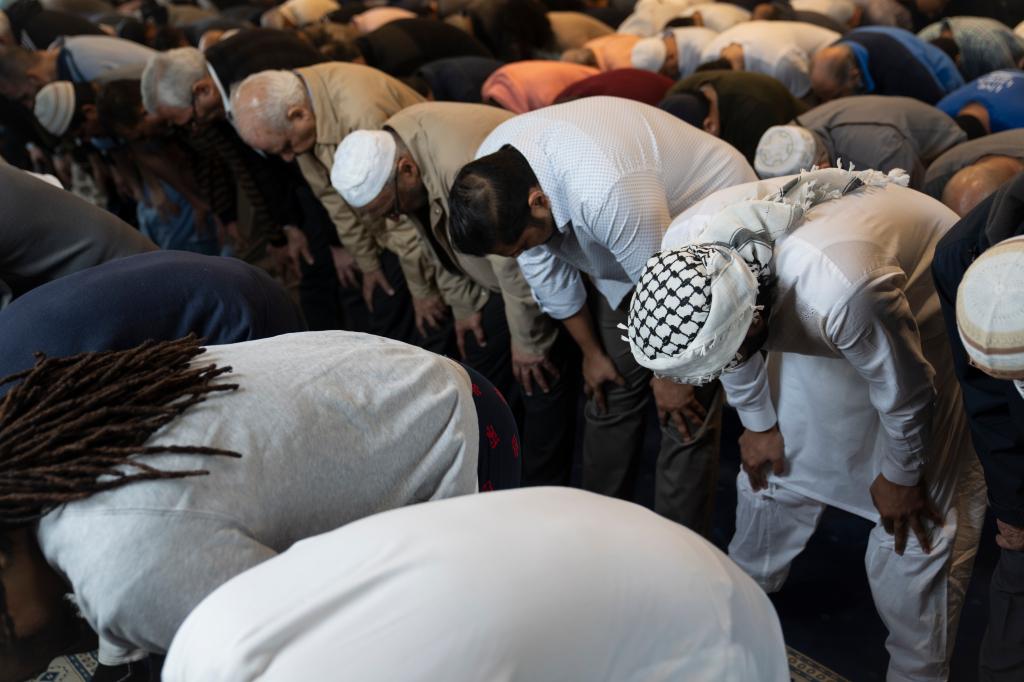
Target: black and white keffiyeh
693	306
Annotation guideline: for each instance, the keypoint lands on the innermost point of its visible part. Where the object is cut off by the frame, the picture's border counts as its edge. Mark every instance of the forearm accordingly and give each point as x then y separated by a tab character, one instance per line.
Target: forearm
582	330
747	390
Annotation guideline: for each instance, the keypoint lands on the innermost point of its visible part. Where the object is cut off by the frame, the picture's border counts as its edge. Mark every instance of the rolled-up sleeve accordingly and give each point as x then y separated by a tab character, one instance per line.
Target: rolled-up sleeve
875	330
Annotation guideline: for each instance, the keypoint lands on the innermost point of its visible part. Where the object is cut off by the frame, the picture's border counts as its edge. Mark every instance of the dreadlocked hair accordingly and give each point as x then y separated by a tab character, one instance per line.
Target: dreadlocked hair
74	425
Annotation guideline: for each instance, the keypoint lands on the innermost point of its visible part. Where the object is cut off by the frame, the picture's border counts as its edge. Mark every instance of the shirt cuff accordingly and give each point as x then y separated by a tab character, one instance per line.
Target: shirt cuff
759	419
894	473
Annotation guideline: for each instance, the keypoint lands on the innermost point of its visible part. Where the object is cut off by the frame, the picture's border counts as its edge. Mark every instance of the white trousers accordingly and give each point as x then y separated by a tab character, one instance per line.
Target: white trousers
918	595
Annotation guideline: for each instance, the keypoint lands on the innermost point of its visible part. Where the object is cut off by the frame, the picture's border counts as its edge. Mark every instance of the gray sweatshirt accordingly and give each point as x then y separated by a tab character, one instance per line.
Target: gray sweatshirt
332	427
883	133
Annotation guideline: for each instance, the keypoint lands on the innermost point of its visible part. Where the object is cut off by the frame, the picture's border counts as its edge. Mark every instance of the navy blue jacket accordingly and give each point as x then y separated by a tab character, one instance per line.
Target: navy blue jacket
160	295
894	68
994	408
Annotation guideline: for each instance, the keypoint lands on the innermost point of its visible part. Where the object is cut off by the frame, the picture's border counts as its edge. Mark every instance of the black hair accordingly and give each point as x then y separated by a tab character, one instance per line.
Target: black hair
85	94
513	29
119	103
680	22
489	202
692	107
949	46
168	38
720	64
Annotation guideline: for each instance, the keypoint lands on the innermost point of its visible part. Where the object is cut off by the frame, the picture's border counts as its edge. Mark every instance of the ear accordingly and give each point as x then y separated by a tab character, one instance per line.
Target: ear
538	200
698	19
710	125
407	166
296	114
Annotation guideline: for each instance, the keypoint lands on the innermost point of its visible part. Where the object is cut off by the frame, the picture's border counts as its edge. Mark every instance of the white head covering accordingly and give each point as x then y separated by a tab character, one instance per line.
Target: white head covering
694	305
785	150
363	163
55	106
690	44
649	54
990	309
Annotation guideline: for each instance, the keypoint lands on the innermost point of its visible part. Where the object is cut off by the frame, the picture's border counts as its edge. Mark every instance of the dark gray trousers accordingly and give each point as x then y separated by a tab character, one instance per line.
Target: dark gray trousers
1002	649
686	472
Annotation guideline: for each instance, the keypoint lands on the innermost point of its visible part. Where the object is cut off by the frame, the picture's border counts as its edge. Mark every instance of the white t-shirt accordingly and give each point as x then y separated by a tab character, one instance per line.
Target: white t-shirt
518	586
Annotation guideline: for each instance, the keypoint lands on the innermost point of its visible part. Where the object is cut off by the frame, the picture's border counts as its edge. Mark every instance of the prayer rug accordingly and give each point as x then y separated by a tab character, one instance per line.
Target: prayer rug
80	667
805	669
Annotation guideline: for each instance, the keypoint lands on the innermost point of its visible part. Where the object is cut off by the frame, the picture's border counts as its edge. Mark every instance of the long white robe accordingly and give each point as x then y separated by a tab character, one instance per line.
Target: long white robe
859	376
516	586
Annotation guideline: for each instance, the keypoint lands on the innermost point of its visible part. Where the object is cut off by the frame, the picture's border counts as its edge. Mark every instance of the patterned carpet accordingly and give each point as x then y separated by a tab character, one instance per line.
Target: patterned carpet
79	668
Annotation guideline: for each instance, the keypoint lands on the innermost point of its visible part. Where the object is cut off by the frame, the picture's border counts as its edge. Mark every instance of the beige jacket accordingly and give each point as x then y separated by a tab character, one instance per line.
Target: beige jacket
443	137
347	97
574	29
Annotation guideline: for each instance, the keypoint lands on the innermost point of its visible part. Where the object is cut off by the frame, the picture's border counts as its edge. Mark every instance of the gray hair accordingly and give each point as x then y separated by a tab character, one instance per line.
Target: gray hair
169	76
262	101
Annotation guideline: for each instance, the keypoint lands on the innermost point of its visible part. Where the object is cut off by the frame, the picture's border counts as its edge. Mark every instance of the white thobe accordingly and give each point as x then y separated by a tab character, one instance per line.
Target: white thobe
649	17
718	16
854	303
517	586
615	172
860	381
781	49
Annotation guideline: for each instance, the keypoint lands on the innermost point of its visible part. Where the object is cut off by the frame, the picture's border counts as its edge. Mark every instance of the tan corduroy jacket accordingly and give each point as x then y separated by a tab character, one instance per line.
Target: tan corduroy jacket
443	137
348	97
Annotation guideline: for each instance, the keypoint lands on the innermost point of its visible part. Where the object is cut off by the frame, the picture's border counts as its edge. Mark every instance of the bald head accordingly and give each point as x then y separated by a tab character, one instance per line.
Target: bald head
273	114
834	73
975	183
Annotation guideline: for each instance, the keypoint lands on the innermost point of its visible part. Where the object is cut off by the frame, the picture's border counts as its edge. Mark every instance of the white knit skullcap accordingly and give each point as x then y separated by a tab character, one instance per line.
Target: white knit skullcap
55	106
363	163
785	150
990	309
649	54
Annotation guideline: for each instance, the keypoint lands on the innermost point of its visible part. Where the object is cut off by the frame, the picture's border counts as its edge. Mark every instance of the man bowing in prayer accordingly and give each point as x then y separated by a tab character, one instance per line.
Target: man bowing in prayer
590	187
407	169
829	272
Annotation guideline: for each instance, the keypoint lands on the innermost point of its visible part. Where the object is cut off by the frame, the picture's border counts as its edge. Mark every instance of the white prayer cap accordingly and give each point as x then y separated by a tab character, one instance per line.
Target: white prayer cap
691	311
785	150
363	163
990	310
55	106
649	54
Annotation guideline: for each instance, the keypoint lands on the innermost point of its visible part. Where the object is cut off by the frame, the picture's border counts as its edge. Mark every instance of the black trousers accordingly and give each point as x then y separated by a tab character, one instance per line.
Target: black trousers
547	421
1002	649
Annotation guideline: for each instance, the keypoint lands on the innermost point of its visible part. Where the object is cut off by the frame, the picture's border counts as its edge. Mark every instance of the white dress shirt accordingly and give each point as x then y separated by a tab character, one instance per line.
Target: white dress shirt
718	16
514	586
857	347
781	49
615	172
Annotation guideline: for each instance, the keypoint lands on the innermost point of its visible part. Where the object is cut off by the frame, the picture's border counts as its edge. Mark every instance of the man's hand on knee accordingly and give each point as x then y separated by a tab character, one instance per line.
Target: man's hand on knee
758	449
904	508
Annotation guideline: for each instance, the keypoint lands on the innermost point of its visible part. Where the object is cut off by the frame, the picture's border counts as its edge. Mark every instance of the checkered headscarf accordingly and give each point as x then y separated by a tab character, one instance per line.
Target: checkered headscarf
693	305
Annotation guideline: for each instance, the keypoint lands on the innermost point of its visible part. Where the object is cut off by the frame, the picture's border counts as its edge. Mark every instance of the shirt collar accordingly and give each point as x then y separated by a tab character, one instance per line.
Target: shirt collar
860	53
